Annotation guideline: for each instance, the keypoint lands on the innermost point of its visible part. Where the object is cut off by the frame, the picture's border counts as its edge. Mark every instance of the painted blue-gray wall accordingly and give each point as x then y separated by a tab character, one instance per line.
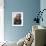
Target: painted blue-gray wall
28	7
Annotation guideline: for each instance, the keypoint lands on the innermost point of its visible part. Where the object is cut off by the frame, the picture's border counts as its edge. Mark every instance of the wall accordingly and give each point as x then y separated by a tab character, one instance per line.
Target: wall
1	21
43	6
28	7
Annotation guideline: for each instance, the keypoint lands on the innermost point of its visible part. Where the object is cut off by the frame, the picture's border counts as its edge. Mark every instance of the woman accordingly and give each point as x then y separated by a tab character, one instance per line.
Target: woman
17	19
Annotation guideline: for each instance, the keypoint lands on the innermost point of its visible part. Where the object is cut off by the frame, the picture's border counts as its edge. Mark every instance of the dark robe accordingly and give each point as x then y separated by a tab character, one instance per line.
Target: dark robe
17	22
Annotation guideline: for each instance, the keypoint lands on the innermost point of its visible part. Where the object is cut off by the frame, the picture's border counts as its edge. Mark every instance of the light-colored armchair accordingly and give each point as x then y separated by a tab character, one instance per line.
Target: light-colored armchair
26	41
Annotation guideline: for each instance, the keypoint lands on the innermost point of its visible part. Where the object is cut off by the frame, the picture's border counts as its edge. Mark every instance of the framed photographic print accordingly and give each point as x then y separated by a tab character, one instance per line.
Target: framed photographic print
17	18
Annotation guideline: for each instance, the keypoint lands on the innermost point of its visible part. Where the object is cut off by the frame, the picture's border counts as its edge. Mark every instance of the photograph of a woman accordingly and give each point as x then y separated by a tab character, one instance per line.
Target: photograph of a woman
17	18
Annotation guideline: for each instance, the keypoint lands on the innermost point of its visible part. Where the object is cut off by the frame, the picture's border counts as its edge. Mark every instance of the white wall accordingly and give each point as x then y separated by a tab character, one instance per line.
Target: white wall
43	6
1	20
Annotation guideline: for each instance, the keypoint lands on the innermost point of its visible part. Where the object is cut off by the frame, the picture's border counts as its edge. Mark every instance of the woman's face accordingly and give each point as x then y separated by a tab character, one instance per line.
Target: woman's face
18	17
